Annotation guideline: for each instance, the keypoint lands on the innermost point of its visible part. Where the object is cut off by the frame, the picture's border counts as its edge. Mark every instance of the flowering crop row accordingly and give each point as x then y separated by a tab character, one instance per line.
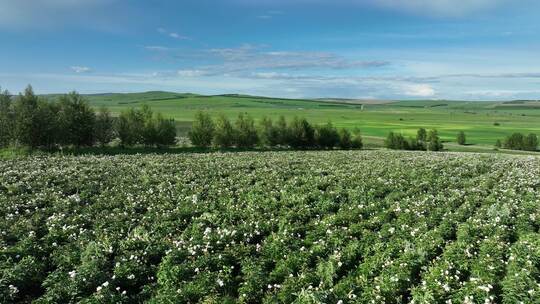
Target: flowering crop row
276	227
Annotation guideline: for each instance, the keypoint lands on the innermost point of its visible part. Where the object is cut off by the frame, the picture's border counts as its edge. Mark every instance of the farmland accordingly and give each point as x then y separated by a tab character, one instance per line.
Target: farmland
483	121
271	227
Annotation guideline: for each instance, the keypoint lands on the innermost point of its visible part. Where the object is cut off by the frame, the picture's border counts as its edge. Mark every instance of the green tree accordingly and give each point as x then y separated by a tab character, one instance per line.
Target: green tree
421	135
434	142
269	135
516	141
165	131
498	144
25	108
345	139
246	133
76	120
224	134
7	119
326	136
149	130
396	142
461	139
531	142
282	130
130	124
103	127
357	142
301	134
202	130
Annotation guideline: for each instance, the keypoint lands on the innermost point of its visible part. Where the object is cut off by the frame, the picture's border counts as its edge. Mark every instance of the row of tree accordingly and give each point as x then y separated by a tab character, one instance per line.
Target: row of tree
424	140
518	141
29	120
244	133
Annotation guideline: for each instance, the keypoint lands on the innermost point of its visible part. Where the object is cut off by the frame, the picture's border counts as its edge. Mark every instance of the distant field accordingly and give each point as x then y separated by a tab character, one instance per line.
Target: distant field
375	119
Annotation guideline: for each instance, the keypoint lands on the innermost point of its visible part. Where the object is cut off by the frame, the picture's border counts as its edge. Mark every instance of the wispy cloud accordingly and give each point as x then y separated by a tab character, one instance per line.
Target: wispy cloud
440	7
251	58
171	34
80	69
157	48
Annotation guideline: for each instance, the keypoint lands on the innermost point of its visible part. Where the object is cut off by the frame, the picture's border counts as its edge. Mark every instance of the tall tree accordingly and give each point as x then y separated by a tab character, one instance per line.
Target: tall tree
461	139
434	142
165	131
104	127
77	120
6	119
301	134
327	136
283	132
246	133
269	134
531	142
202	130
224	134
25	109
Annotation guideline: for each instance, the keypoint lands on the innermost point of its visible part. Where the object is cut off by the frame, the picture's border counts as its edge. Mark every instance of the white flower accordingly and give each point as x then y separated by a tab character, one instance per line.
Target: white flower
13	289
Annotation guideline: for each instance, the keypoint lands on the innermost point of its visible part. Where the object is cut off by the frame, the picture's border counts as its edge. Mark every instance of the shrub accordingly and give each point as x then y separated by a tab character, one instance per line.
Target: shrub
202	130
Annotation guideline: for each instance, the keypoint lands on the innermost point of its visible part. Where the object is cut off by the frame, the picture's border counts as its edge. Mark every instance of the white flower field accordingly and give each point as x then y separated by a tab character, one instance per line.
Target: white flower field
271	227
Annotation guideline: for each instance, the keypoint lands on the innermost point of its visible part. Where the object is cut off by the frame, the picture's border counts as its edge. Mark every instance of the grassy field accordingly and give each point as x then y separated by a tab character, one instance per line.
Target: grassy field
484	121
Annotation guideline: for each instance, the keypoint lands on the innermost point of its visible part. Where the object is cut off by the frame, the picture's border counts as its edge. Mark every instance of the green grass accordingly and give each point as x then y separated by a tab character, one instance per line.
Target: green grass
477	119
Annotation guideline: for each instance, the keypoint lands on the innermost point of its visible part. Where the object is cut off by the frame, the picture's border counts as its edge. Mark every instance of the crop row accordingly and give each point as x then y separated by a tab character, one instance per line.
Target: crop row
276	227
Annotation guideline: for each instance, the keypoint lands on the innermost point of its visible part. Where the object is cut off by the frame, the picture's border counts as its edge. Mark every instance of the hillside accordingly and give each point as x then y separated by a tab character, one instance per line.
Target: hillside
483	121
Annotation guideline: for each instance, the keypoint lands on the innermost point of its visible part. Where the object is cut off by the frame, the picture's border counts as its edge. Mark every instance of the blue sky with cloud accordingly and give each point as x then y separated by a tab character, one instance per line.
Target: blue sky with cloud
406	49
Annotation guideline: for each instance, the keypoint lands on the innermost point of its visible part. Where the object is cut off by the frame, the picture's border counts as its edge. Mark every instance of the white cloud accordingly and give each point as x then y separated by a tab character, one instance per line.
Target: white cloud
418	90
80	69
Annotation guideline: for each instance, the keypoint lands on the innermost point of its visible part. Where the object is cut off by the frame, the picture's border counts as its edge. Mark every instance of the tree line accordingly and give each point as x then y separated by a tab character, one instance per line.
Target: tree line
32	121
297	133
519	141
424	140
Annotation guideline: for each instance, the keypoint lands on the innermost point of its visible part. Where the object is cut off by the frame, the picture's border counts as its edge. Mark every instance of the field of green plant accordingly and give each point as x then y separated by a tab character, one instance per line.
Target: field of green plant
483	121
271	227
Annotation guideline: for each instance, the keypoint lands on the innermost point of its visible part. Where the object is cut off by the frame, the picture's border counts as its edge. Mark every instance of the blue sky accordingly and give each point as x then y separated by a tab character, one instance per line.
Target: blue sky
386	49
